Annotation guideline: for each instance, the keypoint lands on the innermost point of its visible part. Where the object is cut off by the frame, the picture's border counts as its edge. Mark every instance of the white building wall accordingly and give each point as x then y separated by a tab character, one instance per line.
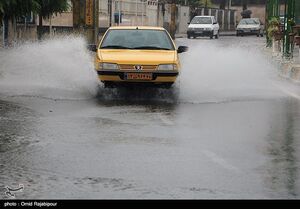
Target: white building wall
183	19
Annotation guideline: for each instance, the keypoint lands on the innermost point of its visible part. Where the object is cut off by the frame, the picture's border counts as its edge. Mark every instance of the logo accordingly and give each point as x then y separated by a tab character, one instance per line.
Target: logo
11	192
138	67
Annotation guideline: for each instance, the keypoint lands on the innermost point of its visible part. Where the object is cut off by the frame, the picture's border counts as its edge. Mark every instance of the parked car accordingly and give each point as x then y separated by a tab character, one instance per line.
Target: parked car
203	26
250	26
130	55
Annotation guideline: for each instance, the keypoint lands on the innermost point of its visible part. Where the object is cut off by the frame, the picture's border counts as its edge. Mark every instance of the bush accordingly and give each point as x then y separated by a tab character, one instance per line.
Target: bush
246	13
273	26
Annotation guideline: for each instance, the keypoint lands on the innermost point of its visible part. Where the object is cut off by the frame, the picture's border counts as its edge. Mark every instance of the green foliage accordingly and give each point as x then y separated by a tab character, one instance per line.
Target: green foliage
196	3
273	27
50	7
17	8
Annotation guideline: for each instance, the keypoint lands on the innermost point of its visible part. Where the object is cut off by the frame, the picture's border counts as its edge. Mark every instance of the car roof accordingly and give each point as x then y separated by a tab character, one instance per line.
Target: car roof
203	16
136	27
252	18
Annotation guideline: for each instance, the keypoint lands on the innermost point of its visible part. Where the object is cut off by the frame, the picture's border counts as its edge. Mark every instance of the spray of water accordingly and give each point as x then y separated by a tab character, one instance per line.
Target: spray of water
214	73
62	68
59	68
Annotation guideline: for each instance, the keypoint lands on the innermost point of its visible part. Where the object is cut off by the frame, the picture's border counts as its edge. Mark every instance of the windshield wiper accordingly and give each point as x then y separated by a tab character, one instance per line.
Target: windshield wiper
114	47
151	47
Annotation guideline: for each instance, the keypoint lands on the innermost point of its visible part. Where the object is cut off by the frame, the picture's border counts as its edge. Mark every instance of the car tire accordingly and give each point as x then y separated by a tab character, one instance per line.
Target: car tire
167	85
217	35
211	35
188	36
108	84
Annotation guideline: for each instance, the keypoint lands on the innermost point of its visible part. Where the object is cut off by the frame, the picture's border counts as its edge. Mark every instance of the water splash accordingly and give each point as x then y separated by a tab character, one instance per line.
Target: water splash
60	68
214	73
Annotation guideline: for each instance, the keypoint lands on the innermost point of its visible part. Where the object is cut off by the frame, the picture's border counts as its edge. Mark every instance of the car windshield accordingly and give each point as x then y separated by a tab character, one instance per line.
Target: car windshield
201	20
249	22
137	39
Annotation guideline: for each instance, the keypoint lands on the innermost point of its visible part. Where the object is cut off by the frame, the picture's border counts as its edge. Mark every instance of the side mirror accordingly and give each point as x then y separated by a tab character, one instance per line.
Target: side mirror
182	49
188	23
215	23
92	47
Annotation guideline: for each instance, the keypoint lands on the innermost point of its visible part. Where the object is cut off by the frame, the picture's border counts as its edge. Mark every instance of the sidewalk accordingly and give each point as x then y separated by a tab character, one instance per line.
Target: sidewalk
222	33
288	68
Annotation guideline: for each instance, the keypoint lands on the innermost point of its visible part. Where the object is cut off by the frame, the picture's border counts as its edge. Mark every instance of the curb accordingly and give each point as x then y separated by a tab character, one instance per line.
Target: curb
221	34
290	71
287	69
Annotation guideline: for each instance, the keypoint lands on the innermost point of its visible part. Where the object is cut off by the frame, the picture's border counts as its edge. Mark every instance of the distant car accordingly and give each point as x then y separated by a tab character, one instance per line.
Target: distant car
136	55
250	26
203	26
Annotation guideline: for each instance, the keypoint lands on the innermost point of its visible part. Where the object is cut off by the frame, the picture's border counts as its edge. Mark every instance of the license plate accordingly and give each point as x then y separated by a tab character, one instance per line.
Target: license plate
138	76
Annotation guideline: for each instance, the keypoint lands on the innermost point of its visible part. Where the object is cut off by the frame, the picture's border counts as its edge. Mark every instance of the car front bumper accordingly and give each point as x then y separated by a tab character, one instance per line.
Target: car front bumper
207	33
120	76
248	32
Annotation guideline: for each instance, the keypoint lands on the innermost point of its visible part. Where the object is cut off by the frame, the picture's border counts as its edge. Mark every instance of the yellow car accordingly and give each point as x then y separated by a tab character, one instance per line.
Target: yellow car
137	55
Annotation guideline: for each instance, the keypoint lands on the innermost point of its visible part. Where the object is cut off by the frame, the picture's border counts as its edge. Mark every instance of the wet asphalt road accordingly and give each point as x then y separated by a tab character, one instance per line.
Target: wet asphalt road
230	128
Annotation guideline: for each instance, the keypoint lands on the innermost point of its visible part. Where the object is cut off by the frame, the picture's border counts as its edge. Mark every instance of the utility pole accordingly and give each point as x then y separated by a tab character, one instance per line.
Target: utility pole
229	4
119	19
86	18
173	14
110	12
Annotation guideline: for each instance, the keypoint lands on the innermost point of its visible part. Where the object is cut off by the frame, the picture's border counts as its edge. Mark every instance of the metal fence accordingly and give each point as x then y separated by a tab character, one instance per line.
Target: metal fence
297	11
226	18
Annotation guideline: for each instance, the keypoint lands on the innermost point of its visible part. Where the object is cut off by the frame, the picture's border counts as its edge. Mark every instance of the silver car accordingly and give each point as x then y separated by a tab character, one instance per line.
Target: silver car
250	26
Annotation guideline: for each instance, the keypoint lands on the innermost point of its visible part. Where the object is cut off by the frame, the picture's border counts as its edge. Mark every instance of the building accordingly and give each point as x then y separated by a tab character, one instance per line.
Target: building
131	12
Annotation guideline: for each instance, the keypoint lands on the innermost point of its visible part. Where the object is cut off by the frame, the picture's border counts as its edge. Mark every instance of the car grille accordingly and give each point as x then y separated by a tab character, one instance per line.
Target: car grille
199	29
132	67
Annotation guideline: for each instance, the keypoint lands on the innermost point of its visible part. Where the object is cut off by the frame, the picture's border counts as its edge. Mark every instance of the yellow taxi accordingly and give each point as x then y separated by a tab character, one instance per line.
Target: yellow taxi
137	55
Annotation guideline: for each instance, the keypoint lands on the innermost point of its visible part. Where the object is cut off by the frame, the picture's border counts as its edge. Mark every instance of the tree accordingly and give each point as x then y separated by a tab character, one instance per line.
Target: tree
196	3
223	4
245	4
49	7
12	9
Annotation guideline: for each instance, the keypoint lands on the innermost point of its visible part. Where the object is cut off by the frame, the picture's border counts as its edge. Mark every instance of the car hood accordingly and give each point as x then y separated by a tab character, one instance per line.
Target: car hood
248	26
149	57
200	26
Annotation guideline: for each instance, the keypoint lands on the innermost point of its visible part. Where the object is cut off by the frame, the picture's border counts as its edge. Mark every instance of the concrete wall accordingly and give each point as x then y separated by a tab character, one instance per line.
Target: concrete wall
183	19
134	12
63	19
19	33
258	11
226	18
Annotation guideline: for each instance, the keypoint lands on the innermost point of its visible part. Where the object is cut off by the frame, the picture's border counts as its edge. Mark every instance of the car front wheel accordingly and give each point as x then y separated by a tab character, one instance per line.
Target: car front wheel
217	35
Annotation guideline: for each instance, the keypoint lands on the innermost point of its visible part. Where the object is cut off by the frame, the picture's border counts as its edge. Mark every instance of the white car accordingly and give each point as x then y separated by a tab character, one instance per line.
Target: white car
250	26
203	26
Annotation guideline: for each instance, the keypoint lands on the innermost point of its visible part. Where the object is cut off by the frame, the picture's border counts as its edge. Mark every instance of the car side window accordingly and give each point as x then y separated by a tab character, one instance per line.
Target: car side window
214	20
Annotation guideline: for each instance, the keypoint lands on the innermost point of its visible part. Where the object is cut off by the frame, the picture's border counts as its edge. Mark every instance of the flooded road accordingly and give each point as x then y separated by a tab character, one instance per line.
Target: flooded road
230	128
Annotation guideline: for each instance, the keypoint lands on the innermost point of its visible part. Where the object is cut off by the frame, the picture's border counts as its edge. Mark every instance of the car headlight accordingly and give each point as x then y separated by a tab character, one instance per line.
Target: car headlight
167	67
191	29
108	66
